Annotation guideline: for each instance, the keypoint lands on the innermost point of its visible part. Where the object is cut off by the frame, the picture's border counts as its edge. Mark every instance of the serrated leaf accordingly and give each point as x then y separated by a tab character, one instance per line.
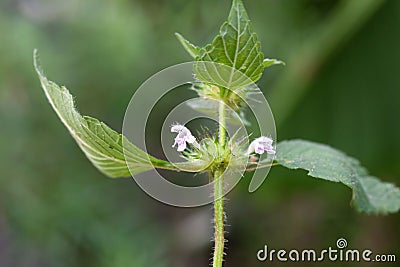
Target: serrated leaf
370	195
236	46
193	50
101	144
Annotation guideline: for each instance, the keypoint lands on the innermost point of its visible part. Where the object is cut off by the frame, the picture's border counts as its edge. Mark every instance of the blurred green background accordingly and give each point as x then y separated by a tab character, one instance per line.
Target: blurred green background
341	86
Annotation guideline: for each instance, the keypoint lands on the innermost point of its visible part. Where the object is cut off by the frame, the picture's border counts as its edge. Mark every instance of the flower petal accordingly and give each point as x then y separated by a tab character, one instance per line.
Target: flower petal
177	128
181	147
190	139
184	136
259	150
260	145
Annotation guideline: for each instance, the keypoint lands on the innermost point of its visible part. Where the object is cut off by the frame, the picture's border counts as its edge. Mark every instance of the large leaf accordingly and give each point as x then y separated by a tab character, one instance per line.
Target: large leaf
370	195
101	144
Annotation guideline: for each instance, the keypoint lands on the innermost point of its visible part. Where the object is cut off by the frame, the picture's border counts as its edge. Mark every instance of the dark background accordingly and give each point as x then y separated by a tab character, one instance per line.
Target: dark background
340	86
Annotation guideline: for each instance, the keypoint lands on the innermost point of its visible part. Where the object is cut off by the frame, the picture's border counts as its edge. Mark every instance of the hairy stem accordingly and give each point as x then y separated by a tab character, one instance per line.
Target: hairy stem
219	197
218	220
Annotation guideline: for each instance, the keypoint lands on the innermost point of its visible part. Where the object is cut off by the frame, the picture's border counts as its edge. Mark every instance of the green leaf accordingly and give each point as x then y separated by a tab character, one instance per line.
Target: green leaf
236	46
193	50
370	195
101	144
270	62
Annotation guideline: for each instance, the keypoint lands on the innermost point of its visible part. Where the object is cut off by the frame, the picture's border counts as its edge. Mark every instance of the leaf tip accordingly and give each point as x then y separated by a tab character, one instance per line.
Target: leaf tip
37	65
237	6
193	50
270	62
36	59
178	35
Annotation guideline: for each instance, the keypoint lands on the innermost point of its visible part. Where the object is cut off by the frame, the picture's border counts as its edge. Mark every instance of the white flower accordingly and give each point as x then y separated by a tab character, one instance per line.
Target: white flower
184	136
260	145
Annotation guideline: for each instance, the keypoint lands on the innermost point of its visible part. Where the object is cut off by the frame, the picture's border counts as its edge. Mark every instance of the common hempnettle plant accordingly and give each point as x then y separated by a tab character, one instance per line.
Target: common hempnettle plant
238	48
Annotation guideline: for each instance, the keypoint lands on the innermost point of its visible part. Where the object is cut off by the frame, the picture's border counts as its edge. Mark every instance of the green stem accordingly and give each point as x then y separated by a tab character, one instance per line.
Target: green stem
219	240
221	120
218	220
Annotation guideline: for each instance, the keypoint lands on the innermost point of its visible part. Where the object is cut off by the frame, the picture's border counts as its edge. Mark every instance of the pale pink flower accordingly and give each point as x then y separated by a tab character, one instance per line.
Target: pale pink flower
261	145
184	136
